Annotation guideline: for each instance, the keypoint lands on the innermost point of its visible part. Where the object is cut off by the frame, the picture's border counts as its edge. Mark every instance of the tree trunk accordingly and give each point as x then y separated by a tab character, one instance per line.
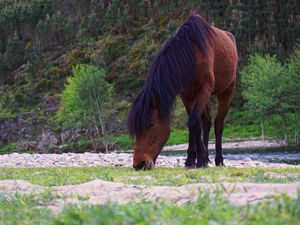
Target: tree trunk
262	127
92	140
102	124
286	142
104	133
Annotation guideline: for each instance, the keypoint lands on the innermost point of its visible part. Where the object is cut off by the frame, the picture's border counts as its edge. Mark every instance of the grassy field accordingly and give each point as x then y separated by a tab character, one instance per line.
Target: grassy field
239	125
124	142
207	209
159	176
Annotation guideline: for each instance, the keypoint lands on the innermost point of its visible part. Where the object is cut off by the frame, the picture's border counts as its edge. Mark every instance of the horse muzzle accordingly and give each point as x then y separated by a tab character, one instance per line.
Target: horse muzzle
144	165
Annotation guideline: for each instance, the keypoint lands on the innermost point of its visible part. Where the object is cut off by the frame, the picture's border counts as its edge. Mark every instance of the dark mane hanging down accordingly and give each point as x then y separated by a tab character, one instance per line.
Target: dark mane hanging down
170	72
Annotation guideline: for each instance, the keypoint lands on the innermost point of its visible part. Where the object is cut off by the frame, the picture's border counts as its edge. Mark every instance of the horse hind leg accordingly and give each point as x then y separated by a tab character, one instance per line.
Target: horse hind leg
224	101
206	125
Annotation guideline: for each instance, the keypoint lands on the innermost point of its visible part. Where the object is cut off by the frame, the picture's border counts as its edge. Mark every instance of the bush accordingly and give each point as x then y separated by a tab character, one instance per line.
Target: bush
86	100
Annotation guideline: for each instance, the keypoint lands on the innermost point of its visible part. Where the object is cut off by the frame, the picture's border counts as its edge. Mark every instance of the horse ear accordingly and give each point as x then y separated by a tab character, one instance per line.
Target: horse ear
131	96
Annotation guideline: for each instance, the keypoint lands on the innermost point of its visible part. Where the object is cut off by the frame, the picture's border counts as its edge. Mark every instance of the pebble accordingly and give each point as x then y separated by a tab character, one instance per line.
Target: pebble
119	159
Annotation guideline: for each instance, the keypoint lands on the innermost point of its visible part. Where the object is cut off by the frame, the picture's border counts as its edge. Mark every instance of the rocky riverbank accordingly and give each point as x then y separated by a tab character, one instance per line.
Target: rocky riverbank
274	160
125	159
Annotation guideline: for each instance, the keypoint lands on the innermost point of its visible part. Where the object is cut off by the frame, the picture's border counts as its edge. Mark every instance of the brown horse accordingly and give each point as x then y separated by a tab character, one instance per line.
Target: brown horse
198	61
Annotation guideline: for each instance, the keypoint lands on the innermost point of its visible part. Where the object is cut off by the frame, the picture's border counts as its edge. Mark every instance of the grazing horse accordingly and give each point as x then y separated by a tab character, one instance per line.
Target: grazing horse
197	61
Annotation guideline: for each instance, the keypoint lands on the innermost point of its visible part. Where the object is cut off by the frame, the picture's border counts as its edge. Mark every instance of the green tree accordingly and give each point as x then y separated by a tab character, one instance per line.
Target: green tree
292	89
262	81
86	101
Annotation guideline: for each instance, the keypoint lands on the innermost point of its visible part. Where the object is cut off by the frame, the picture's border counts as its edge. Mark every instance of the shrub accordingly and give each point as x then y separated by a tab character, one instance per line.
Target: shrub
86	100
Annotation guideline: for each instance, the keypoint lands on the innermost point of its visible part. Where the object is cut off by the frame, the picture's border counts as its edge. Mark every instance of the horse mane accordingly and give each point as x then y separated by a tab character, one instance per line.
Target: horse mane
170	71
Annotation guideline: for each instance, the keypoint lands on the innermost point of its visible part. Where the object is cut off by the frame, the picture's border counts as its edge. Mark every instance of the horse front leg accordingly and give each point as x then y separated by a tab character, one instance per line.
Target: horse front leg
202	144
191	151
195	142
197	148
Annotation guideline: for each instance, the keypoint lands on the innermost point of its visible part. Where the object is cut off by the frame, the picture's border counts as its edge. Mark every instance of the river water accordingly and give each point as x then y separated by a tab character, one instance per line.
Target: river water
275	155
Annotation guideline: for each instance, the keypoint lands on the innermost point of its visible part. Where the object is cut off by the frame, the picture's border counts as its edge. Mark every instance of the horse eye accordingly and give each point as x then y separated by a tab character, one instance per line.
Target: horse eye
150	125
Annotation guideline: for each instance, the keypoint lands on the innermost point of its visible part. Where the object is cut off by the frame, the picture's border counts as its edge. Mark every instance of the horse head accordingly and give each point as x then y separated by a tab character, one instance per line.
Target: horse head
150	141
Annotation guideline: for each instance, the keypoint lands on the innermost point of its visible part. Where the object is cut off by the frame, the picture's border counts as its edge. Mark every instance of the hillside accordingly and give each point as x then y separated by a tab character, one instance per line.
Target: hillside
41	40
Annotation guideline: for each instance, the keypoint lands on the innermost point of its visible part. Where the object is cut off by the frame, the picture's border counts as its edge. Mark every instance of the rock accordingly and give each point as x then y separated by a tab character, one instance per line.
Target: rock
47	141
122	159
29	145
8	129
25	122
69	136
18	128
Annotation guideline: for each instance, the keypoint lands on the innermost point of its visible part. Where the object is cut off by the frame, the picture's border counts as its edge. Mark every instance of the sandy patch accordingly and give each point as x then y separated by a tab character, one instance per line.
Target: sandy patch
99	192
12	187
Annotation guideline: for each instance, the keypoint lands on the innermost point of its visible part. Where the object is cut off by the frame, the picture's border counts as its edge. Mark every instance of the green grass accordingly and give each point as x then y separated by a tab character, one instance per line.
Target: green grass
124	142
23	210
205	210
8	148
158	176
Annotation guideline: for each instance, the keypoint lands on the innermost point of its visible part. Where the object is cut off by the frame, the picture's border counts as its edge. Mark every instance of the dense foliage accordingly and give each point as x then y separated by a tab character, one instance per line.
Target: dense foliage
293	81
49	37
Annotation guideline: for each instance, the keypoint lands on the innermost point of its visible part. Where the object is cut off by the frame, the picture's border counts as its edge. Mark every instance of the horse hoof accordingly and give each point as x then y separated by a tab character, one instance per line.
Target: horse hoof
190	164
220	164
189	167
202	165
